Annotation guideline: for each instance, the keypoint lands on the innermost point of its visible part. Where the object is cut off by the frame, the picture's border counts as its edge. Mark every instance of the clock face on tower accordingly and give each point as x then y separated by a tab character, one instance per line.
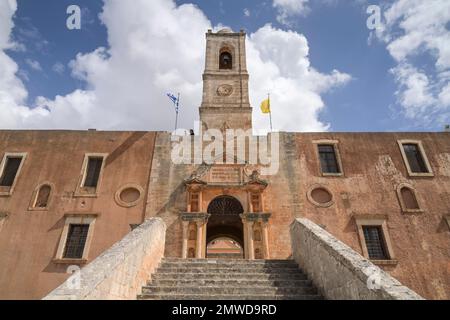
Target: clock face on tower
224	90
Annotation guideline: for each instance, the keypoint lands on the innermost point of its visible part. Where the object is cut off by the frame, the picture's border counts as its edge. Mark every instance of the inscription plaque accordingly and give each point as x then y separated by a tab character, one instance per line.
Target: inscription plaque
224	175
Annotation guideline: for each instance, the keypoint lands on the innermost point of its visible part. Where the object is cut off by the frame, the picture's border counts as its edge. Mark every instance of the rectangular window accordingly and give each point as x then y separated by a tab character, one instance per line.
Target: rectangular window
76	240
10	170
415	158
375	242
93	170
328	159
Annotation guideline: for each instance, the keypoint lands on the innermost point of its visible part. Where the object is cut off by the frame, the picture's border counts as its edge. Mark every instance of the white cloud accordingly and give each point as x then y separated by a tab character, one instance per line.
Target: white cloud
278	63
414	28
444	96
156	47
58	68
287	9
415	92
12	91
35	65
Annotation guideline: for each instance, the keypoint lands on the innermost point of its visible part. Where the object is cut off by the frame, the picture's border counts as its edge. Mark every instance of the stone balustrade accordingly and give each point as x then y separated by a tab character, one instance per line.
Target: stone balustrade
121	271
339	272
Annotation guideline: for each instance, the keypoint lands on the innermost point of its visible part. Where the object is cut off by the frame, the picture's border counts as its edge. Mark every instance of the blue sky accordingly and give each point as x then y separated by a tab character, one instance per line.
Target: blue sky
377	90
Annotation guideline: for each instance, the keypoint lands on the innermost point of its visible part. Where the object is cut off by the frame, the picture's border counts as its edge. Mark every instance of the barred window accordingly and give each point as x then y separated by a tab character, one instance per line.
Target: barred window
93	169
415	158
375	243
328	159
76	240
10	170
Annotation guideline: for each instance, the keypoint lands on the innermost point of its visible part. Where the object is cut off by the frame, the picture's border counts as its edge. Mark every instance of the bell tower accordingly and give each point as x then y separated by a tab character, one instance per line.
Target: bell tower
225	103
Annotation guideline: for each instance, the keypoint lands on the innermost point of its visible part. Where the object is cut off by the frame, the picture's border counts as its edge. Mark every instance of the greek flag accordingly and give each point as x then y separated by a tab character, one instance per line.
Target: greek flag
174	99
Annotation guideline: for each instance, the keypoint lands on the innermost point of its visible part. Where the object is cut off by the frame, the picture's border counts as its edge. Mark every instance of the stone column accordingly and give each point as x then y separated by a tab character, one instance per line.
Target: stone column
200	201
251	250
185	225
204	239
265	239
244	226
198	248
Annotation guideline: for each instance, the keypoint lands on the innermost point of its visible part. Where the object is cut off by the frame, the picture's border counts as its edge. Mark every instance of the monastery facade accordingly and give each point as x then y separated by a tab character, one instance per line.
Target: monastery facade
67	196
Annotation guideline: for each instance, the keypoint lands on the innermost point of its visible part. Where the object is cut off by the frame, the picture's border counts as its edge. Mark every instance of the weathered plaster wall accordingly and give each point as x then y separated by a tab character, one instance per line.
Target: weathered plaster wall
339	272
373	167
120	272
372	164
29	239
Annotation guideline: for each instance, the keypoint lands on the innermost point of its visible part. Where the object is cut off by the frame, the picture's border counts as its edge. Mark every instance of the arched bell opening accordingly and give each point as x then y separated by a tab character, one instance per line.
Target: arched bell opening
225	60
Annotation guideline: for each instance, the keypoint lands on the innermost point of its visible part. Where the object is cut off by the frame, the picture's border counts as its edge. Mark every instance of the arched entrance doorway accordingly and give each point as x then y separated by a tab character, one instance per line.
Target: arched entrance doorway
225	223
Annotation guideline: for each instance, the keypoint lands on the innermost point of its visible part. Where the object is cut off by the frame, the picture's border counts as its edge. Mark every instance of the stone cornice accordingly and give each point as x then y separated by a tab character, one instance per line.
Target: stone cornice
195	216
256	216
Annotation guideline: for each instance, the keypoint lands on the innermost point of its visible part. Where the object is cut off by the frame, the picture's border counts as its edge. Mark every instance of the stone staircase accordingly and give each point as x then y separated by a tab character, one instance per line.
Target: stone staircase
224	279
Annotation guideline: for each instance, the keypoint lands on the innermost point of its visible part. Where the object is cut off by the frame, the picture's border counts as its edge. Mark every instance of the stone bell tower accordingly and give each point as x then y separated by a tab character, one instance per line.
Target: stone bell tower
225	103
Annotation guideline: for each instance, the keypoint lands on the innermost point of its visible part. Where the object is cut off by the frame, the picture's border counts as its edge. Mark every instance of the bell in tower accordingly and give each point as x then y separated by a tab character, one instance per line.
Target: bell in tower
225	102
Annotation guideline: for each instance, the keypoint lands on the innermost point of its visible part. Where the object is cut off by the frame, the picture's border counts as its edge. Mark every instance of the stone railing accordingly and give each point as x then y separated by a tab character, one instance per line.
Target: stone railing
121	271
339	272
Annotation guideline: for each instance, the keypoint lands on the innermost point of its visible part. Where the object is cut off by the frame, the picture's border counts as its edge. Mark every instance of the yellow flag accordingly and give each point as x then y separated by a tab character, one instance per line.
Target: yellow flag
265	106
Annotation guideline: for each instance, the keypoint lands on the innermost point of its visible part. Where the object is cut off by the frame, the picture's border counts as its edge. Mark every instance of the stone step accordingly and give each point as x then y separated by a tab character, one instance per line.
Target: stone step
221	290
225	256
231	261
158	296
229	279
231	269
229	276
223	264
228	261
244	282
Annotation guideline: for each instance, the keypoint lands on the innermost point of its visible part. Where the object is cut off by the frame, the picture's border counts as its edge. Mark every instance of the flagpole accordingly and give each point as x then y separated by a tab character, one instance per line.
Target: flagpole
176	110
270	112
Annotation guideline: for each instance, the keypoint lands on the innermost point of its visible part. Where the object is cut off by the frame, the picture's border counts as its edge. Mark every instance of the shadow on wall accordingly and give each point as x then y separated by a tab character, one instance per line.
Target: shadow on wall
131	140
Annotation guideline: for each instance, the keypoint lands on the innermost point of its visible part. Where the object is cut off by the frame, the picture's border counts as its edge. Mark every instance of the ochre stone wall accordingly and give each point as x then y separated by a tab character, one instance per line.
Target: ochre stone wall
29	239
372	164
373	168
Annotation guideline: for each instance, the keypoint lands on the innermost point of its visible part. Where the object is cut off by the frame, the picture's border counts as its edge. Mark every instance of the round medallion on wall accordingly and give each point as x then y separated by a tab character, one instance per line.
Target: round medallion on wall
129	195
320	196
225	90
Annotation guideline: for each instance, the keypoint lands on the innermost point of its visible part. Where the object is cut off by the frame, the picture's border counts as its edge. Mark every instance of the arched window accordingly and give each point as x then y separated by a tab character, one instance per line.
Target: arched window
43	196
409	199
225	60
